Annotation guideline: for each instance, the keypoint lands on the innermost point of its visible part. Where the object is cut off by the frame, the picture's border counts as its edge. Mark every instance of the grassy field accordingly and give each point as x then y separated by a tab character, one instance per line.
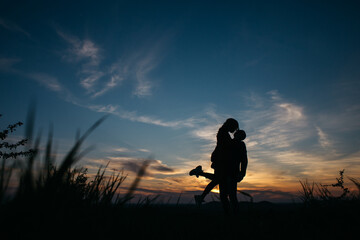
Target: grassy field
63	202
254	220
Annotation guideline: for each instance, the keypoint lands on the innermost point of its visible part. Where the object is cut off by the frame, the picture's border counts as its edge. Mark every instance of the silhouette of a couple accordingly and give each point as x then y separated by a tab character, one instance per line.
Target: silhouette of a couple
227	159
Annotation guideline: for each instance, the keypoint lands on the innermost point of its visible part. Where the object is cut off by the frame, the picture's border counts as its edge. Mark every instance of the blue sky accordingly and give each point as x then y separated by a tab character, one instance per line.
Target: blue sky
169	73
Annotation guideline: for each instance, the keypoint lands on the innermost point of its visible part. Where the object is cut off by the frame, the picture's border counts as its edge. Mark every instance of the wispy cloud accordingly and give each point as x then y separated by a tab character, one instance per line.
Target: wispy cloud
253	62
127	150
115	80
136	65
272	122
135	117
207	132
133	164
46	80
323	138
142	68
277	124
50	82
81	50
9	25
97	79
7	64
88	82
89	55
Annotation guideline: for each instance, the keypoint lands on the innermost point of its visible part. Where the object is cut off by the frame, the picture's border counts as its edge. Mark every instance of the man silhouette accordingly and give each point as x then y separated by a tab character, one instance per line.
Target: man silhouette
232	174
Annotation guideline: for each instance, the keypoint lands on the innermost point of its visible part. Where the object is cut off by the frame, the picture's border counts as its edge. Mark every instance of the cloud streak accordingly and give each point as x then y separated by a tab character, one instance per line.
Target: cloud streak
135	117
9	25
46	80
81	50
7	64
277	124
323	138
88	54
133	164
98	79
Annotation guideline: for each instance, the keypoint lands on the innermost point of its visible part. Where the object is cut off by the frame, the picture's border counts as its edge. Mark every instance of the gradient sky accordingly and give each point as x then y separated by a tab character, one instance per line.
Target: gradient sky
169	73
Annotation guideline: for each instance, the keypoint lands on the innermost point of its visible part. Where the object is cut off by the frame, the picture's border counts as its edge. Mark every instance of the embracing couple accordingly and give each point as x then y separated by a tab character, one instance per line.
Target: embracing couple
229	161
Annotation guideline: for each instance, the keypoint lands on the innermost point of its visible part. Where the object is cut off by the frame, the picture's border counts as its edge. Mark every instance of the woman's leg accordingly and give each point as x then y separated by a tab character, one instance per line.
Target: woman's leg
210	176
199	172
209	187
200	198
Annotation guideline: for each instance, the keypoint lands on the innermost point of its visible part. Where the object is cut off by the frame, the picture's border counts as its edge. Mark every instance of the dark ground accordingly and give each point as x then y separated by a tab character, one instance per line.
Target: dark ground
262	220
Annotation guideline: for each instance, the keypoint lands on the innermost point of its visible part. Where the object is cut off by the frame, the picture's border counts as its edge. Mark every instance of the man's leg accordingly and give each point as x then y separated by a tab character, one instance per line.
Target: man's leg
224	196
233	195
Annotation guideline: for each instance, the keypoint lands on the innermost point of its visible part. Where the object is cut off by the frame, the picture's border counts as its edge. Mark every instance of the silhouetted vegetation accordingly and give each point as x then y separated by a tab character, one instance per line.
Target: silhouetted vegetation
320	194
49	184
9	151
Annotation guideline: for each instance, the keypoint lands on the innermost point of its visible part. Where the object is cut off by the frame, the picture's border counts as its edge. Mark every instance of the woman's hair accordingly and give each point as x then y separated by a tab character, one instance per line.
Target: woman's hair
231	124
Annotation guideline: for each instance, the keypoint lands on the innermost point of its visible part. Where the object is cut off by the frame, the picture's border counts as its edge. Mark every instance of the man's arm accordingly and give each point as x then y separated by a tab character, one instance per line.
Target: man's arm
244	161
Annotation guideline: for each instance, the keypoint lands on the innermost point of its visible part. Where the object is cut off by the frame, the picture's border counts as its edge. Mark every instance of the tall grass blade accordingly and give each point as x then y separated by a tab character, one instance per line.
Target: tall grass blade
130	194
26	185
307	192
30	121
48	159
357	184
178	200
72	156
247	195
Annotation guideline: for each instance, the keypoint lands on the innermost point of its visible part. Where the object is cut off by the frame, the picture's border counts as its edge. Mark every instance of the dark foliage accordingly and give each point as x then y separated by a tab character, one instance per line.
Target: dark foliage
320	194
9	151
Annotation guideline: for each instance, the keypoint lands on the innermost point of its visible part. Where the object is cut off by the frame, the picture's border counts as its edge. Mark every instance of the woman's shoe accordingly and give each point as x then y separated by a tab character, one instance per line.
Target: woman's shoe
196	171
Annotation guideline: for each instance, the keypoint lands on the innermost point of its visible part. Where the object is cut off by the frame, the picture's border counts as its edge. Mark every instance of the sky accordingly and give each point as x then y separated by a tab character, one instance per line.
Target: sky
169	73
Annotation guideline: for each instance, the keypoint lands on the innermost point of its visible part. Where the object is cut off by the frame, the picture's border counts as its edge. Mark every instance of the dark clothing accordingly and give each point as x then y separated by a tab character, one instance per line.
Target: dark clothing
236	156
221	154
238	160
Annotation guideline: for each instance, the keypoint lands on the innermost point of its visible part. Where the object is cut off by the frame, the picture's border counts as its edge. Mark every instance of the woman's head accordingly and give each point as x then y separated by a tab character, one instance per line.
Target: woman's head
231	125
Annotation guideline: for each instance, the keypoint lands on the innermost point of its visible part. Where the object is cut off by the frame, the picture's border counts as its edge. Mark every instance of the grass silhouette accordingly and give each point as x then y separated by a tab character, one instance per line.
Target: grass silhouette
61	185
320	194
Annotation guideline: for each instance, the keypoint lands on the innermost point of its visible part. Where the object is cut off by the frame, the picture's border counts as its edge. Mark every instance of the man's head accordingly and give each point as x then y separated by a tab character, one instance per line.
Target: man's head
240	135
